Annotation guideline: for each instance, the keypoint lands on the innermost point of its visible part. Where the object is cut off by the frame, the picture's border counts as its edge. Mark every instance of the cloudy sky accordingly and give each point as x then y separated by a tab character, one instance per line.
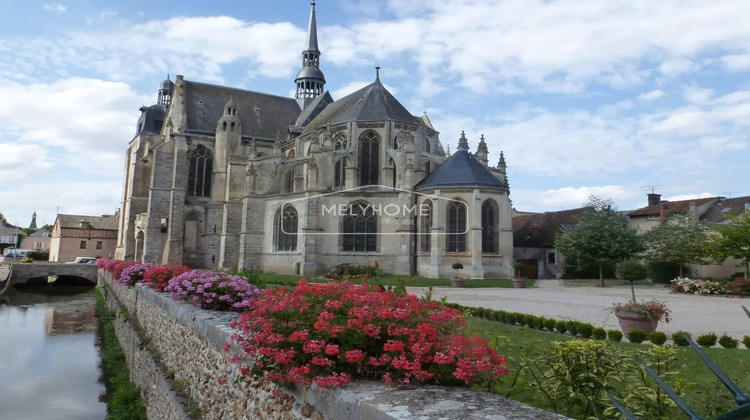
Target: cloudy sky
583	96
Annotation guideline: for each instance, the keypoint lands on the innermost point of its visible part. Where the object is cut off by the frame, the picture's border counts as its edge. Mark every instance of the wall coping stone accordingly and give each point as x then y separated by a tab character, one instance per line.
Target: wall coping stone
370	400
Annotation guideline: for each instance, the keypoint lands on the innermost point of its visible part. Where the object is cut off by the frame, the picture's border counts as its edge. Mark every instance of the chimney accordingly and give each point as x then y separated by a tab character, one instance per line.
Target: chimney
654	199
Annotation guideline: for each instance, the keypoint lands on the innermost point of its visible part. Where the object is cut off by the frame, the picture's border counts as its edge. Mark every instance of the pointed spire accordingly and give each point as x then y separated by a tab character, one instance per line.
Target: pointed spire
426	120
310	80
463	143
482	153
501	163
448	151
312	30
377	73
33	221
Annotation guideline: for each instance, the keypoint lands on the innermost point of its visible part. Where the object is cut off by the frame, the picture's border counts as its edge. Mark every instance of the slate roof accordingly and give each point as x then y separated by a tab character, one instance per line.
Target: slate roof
460	170
313	109
40	234
262	115
538	230
371	103
670	206
151	119
96	222
719	212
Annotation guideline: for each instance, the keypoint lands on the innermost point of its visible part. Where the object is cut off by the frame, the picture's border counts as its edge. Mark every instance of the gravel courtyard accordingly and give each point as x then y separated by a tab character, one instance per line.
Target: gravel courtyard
693	313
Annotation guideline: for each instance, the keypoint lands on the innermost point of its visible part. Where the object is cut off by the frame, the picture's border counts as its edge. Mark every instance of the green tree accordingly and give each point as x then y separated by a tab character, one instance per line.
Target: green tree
681	240
601	235
732	240
632	271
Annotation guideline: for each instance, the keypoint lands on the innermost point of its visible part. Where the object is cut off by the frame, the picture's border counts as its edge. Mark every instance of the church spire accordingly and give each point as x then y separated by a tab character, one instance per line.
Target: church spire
310	80
463	143
33	221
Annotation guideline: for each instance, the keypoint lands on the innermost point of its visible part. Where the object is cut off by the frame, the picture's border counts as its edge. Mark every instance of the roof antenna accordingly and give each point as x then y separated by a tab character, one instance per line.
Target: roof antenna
651	187
377	73
729	194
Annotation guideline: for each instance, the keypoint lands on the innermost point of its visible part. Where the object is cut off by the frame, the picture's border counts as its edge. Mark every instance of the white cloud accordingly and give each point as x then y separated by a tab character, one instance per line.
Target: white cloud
736	62
57	8
570	197
650	96
22	161
352	87
681	197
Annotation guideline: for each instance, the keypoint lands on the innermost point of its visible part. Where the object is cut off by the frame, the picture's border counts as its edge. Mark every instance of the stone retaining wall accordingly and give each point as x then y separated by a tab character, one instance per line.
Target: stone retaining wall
176	358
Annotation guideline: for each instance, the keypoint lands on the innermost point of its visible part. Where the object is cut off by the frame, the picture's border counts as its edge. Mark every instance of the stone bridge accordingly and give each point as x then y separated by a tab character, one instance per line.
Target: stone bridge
37	272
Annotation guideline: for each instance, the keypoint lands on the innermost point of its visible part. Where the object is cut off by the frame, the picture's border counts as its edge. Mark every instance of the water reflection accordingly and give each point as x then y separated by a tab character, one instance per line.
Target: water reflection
49	362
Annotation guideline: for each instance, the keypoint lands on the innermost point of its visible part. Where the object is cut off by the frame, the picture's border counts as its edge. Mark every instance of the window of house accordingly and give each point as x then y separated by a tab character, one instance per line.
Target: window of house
425	223
286	229
456	232
369	158
551	258
38	245
99	244
359	231
489	227
83	245
199	175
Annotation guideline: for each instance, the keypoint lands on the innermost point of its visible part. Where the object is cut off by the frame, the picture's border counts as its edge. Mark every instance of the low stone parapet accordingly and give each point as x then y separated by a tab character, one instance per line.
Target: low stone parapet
177	358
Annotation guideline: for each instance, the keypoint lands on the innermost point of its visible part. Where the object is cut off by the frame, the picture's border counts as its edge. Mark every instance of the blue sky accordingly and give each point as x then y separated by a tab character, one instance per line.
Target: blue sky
583	96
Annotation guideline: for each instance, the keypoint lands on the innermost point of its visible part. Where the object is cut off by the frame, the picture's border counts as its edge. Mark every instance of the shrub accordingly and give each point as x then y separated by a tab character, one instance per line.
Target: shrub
561	326
679	339
538	322
728	342
636	336
614	335
572	327
528	320
133	273
585	329
599	333
26	260
746	341
658	338
549	324
212	290
158	277
499	316
39	255
740	286
330	333
706	340
662	272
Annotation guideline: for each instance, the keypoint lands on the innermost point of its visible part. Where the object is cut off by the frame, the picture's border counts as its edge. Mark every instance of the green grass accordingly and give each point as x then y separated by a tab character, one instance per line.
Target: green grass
707	396
123	398
393	280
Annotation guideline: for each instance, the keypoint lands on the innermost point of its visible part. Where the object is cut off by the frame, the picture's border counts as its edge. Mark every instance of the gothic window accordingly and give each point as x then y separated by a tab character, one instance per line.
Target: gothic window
359	232
395	142
289	181
339	168
425	223
427	166
199	172
286	229
456	233
392	164
489	227
369	158
427	146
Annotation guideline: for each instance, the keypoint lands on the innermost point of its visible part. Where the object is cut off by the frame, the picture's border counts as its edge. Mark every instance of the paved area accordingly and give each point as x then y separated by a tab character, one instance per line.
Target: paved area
693	313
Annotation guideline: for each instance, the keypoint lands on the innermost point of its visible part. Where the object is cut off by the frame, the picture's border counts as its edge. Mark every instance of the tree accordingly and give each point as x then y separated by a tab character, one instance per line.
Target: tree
601	235
681	240
632	271
732	240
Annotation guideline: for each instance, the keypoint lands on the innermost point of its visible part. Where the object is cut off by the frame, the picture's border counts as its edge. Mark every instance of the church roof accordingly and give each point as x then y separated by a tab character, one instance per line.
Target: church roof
262	115
371	103
313	109
460	170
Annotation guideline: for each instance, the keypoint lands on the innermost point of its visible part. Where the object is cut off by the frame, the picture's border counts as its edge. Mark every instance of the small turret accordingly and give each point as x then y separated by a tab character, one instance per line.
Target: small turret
463	143
482	152
228	143
165	92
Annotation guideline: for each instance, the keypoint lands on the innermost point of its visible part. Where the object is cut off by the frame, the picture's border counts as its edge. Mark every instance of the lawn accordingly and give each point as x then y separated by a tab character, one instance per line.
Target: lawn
393	280
706	395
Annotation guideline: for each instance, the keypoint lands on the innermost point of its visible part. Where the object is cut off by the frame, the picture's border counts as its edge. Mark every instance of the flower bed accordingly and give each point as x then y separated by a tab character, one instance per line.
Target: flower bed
696	286
654	310
329	333
212	290
158	277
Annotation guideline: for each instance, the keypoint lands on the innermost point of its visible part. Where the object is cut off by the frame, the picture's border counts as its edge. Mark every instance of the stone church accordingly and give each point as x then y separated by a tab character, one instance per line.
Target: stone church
224	177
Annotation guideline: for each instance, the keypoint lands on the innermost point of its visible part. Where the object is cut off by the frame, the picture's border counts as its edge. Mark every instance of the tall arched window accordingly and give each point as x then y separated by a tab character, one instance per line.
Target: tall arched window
199	172
286	229
392	164
339	168
425	223
489	227
359	232
289	181
456	233
369	158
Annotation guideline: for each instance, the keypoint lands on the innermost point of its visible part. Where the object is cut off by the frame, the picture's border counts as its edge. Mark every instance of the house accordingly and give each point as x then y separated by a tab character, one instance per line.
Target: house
719	214
77	235
224	177
41	239
534	241
9	235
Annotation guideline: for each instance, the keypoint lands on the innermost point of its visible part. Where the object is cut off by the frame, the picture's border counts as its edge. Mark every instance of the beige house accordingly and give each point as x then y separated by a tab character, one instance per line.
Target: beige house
223	177
83	236
712	211
41	239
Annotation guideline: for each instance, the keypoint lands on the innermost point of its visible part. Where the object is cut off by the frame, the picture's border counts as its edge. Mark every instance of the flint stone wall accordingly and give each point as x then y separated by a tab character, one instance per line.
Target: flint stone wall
174	345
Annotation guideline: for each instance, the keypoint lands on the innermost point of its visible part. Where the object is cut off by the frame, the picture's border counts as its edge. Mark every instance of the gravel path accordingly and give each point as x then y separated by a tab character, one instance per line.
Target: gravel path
693	313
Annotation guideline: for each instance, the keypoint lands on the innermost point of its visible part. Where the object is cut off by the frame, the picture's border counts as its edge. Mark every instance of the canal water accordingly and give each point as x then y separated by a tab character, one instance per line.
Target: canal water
49	359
